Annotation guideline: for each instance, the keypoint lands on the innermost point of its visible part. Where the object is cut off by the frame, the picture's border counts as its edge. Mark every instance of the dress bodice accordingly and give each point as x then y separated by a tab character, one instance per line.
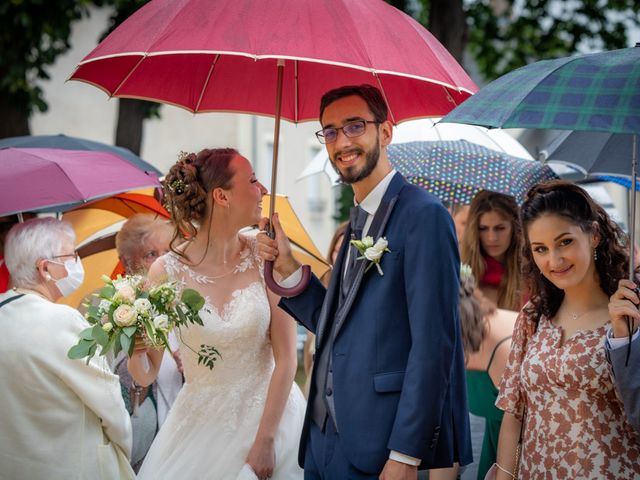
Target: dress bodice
215	419
237	327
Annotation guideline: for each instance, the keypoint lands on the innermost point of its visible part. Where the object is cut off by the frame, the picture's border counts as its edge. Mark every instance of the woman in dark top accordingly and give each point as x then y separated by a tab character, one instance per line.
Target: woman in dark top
486	336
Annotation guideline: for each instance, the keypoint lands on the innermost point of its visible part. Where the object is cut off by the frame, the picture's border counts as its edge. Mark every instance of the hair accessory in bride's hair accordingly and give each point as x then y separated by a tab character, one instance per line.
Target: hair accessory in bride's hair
178	186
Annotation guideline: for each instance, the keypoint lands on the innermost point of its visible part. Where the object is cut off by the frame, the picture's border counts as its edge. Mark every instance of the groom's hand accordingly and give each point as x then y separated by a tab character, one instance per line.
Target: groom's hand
277	250
398	471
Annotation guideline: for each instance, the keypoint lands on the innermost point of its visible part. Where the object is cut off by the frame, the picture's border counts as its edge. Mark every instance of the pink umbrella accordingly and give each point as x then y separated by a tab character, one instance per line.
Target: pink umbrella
275	57
33	179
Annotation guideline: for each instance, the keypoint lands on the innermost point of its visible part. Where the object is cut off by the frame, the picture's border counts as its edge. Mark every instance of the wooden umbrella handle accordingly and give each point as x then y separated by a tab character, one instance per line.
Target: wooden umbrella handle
282	291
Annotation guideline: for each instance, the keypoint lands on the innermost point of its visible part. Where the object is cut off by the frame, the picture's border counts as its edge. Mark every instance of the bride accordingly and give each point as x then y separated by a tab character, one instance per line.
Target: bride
242	419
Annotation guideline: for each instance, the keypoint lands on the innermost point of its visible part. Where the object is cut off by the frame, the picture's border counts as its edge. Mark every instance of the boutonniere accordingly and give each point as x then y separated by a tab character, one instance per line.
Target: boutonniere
371	251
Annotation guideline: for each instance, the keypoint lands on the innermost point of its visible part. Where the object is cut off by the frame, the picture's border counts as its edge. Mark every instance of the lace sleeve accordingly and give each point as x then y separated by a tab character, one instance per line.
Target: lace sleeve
511	397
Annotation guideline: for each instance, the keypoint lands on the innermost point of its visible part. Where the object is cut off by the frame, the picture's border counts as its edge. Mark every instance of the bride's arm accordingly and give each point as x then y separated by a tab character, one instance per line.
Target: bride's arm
261	457
144	364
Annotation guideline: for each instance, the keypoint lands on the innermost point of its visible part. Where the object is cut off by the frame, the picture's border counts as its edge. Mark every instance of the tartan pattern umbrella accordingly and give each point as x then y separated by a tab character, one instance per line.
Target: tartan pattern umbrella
593	92
455	171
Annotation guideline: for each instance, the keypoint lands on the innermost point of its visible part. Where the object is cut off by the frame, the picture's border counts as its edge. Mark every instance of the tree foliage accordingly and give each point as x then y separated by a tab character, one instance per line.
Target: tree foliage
510	34
503	35
33	34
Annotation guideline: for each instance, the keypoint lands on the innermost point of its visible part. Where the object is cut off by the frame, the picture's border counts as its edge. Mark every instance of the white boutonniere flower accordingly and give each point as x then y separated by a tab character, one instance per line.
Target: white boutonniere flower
372	251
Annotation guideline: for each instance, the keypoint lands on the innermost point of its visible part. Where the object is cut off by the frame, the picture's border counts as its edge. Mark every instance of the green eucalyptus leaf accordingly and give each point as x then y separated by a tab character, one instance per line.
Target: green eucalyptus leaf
125	342
81	349
100	335
107	292
130	331
87	334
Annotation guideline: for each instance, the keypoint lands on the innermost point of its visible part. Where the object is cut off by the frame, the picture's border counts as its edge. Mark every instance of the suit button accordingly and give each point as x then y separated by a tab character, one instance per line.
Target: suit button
329	392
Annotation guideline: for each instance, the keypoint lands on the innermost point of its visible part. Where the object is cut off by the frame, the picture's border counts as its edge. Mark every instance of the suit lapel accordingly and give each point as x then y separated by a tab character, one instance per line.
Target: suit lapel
376	230
333	289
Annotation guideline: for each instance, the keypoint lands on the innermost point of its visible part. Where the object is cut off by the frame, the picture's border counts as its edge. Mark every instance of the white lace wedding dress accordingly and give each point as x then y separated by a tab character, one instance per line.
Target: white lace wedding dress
214	420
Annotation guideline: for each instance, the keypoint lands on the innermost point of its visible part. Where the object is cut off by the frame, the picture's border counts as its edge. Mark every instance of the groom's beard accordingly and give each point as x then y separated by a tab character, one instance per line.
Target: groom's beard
351	175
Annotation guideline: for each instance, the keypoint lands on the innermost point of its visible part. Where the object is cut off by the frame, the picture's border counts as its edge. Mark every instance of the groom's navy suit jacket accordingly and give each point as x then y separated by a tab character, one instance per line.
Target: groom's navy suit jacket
398	366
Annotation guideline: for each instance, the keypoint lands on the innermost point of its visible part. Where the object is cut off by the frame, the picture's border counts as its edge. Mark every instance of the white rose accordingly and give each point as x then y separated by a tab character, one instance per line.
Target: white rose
125	292
125	315
367	242
107	327
142	305
161	322
375	252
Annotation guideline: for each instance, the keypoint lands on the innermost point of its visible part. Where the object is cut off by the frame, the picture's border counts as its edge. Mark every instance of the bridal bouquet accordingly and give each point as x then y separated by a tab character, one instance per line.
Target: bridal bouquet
130	308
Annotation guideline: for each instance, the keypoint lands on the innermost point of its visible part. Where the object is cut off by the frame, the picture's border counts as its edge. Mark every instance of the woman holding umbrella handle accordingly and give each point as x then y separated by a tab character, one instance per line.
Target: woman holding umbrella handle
563	416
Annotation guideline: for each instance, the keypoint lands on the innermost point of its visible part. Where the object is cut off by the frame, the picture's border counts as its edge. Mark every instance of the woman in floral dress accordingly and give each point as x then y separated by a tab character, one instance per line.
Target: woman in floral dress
557	378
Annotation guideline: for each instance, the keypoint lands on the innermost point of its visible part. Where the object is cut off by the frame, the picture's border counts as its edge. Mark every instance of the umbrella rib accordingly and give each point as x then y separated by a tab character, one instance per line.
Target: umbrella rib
206	82
127	76
384	95
283	57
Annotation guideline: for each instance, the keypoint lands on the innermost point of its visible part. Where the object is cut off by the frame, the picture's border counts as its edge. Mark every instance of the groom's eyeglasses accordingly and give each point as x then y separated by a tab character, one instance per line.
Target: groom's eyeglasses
350	130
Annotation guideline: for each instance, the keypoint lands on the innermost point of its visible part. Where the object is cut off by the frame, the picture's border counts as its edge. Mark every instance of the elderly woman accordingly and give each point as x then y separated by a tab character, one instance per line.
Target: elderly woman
141	240
59	418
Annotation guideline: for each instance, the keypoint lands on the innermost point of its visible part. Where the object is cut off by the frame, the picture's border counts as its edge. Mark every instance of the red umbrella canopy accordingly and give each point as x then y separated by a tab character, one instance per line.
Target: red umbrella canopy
205	56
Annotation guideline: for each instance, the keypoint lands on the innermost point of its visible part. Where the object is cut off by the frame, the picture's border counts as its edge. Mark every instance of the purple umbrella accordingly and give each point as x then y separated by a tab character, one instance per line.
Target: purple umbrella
33	179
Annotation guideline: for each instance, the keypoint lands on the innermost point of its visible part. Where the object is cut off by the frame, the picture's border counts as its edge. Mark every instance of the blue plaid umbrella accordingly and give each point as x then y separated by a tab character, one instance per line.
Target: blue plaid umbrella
598	92
455	171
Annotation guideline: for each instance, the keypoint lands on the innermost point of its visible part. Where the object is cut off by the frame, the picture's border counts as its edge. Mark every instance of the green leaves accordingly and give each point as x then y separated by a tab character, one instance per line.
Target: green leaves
192	299
81	349
208	355
99	335
107	291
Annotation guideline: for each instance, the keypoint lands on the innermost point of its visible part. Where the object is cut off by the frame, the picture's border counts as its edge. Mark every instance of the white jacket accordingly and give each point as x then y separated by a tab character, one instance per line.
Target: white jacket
59	418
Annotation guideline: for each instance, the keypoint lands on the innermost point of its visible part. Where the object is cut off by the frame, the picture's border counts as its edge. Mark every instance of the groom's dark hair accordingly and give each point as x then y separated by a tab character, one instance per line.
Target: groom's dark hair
370	94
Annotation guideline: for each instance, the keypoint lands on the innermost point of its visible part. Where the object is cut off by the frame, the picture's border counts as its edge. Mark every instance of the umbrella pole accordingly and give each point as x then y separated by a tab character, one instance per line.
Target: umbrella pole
632	227
276	142
268	266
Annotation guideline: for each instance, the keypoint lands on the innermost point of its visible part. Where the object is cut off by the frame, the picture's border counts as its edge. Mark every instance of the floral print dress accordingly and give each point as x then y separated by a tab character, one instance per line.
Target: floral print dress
575	425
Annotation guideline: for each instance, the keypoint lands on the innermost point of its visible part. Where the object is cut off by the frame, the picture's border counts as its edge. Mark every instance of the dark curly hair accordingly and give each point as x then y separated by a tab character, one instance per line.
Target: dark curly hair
566	199
187	187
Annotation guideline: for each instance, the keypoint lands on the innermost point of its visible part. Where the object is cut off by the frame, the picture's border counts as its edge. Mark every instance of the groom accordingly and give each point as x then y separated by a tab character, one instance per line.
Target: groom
388	391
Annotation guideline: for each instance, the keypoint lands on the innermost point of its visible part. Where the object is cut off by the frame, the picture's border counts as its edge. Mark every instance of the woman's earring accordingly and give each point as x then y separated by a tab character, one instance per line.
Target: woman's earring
47	276
595	254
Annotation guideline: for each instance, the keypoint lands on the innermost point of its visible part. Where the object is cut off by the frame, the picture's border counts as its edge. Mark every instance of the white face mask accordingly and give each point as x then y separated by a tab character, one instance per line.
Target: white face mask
74	278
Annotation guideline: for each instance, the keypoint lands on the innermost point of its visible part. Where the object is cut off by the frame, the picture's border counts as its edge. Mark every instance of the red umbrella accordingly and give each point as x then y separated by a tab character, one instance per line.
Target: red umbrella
275	57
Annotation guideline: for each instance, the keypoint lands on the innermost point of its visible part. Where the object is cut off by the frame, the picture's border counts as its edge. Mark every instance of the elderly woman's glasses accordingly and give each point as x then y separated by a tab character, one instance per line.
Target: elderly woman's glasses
350	130
74	255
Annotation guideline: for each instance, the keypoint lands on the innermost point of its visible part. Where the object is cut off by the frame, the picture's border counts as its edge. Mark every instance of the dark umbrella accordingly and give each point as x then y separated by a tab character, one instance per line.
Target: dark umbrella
75	143
592	153
455	171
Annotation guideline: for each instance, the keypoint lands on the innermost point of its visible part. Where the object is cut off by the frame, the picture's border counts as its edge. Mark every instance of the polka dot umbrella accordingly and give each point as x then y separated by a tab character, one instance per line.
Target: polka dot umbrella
455	171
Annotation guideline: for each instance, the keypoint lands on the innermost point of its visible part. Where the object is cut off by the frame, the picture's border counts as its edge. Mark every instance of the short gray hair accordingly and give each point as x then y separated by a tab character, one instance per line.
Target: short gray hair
33	240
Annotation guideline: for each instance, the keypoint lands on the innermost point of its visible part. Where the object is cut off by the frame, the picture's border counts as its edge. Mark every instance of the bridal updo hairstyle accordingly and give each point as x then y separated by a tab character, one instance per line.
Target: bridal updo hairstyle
569	201
187	187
